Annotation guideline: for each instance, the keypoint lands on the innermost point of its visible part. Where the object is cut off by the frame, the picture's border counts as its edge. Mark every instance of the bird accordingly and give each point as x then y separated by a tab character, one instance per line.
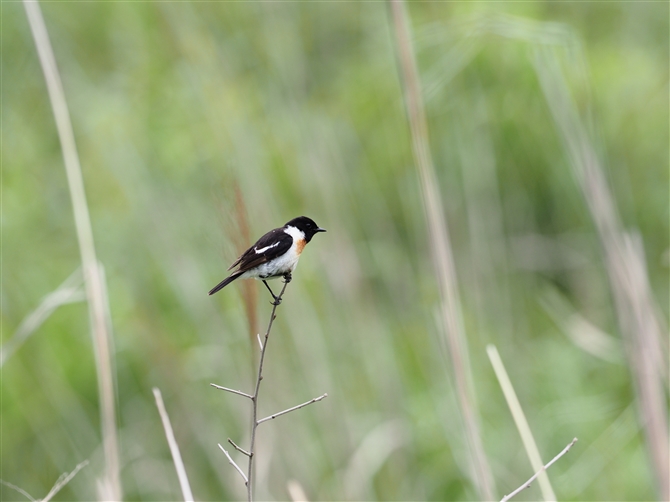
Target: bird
274	255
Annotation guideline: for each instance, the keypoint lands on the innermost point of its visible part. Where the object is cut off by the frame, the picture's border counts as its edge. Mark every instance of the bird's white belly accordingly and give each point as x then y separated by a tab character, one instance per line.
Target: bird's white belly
276	268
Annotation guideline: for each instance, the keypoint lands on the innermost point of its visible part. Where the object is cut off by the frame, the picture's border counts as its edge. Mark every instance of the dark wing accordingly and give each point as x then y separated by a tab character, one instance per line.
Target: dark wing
273	244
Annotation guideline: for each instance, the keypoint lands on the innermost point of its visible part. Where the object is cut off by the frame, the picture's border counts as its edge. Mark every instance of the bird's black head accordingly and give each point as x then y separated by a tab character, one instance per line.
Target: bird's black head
306	225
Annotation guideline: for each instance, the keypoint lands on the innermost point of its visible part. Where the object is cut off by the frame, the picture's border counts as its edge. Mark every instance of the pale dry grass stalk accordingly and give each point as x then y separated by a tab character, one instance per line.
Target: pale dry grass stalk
63	480
624	259
18	489
370	456
296	491
522	426
68	292
174	447
441	251
110	485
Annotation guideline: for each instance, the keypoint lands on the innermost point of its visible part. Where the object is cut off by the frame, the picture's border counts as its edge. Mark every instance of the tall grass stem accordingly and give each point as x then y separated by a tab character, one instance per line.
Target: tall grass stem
110	487
521	423
441	251
623	252
174	447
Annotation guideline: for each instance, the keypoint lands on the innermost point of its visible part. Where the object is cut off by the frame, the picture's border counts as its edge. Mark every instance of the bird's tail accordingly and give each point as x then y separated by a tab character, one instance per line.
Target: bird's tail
225	282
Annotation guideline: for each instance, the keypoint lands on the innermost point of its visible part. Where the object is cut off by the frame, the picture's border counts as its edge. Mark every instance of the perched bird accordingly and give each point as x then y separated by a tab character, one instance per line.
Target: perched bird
274	255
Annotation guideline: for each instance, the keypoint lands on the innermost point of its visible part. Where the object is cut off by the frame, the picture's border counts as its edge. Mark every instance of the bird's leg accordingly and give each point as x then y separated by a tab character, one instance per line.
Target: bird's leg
288	277
277	300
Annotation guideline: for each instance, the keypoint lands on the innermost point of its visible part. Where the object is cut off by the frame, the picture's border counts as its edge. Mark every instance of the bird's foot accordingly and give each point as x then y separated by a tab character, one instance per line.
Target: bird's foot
276	299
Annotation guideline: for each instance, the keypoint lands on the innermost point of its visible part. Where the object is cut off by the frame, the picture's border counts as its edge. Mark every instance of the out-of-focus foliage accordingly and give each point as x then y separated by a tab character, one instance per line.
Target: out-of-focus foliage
174	105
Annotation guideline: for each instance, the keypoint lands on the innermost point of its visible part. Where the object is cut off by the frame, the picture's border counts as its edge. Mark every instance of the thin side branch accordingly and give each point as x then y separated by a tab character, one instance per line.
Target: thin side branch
238	392
174	447
241	450
63	480
237	467
20	490
528	483
272	417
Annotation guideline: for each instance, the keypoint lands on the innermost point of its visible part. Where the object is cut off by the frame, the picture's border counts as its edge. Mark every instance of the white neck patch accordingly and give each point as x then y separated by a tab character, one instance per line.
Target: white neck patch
294	232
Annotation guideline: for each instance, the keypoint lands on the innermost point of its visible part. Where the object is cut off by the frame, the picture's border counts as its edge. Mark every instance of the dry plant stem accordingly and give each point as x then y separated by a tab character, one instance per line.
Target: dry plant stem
521	423
254	398
544	468
255	422
174	447
92	271
480	470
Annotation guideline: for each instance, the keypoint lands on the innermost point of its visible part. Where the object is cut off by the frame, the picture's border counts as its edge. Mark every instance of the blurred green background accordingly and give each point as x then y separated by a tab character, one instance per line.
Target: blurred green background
192	118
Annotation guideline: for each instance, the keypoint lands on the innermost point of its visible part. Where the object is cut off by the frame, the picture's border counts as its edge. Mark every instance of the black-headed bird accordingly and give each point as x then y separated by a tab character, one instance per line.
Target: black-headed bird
274	255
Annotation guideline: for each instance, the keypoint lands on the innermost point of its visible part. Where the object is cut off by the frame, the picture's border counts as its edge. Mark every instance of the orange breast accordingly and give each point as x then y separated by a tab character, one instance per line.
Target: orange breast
300	245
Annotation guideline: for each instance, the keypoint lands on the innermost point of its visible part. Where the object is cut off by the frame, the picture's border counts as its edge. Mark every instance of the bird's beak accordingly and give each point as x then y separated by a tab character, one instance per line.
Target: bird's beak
320	229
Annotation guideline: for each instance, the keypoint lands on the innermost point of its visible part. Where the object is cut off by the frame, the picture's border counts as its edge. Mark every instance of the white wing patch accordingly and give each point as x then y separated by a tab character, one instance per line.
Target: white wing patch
263	250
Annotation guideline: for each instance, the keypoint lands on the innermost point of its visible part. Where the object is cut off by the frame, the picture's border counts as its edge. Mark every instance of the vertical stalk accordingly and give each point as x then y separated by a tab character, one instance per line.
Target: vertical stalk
441	251
94	283
623	254
254	398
